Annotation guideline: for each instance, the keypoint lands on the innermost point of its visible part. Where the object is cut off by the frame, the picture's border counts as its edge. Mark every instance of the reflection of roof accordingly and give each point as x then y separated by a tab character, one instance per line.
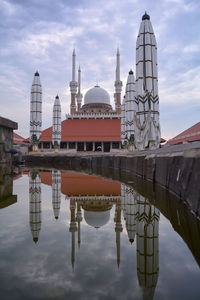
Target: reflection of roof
73	184
87	130
96	219
97	95
190	135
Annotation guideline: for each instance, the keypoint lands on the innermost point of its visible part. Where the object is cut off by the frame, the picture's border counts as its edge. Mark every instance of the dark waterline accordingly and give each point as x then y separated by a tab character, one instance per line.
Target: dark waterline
134	254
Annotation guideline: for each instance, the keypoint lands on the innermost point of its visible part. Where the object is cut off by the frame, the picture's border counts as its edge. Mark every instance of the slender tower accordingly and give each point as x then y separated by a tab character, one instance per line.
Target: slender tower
147	246
73	85
56	130
147	126
56	192
79	95
123	128
130	105
35	204
118	85
36	112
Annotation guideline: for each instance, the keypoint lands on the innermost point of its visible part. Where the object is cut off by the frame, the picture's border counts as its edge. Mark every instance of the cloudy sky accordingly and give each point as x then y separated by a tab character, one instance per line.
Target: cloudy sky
40	35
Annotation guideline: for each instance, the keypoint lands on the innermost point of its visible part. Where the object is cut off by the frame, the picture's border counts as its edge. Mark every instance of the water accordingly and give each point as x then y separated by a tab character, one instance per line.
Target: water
75	236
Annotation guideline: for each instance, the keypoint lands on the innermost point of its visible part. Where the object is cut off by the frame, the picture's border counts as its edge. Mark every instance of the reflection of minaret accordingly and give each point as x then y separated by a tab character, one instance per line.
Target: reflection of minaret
35	204
56	192
79	219
130	214
147	247
118	228
73	228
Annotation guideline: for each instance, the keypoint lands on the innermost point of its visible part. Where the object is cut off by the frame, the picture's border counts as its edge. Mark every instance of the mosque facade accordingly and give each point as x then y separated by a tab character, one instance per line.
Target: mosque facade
94	125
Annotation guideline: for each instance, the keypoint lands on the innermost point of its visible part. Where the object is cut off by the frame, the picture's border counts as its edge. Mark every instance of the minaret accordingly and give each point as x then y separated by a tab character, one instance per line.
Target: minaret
36	112
73	229
118	84
123	127
56	129
56	192
118	228
130	105
35	204
147	246
147	126
73	85
79	95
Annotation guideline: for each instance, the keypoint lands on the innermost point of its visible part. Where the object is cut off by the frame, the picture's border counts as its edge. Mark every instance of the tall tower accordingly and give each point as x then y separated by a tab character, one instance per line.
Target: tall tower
118	85
123	127
147	246
73	85
147	126
36	112
79	95
56	192
130	105
35	204
56	130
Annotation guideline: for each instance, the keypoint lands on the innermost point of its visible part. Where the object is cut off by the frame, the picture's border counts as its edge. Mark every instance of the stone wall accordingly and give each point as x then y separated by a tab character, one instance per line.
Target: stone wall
177	172
6	136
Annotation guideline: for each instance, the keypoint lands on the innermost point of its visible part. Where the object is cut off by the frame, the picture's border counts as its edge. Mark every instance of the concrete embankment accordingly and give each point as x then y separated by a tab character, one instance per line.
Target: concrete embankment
176	168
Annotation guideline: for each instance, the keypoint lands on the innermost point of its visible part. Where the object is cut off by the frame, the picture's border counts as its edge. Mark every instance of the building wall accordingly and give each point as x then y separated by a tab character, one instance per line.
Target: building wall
6	136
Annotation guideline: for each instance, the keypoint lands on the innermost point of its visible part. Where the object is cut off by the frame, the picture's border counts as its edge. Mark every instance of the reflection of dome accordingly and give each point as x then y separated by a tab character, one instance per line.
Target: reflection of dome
97	95
96	218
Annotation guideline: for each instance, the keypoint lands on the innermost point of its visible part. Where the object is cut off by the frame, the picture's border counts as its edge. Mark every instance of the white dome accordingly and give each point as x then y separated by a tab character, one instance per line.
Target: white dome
96	218
97	95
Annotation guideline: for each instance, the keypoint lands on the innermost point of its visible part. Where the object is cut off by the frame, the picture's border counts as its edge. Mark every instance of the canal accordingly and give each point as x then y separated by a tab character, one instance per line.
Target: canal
70	235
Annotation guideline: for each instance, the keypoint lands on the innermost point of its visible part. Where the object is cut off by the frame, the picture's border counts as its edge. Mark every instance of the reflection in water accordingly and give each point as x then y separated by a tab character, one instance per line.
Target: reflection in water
140	217
56	192
147	246
35	204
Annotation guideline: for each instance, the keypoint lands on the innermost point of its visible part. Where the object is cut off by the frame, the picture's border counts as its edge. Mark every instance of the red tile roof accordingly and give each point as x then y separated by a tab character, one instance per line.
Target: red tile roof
18	139
81	184
87	130
190	135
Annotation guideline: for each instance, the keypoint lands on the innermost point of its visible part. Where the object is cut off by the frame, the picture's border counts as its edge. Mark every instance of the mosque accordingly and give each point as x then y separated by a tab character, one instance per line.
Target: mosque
94	125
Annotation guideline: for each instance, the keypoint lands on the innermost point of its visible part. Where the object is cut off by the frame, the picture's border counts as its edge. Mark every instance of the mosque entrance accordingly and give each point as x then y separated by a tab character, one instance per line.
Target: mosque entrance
98	146
89	146
80	146
106	146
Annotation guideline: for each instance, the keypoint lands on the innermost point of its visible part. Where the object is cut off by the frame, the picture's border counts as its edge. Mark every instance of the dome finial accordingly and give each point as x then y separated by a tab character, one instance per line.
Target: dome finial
145	16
